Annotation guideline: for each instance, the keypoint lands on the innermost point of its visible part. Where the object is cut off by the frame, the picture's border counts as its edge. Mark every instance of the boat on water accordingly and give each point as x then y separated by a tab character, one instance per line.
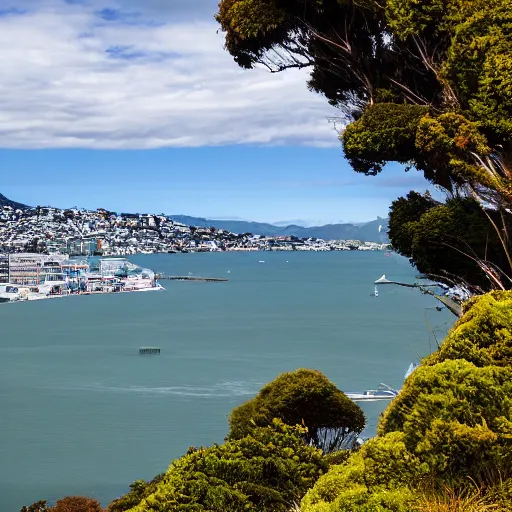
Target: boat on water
383	392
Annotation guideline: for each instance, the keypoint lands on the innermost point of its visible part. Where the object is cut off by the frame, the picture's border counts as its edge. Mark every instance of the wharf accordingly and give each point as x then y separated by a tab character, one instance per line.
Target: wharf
193	278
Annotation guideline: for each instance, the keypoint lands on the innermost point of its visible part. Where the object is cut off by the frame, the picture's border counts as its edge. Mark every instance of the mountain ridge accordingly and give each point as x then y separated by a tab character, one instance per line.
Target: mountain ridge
13	204
366	232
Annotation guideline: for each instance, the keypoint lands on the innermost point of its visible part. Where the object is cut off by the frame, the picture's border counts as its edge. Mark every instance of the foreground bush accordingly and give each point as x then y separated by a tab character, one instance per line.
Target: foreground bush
138	491
304	397
483	335
456	418
266	471
374	479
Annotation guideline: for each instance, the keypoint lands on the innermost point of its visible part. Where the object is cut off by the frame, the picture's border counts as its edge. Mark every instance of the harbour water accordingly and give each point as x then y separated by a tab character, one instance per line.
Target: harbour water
83	413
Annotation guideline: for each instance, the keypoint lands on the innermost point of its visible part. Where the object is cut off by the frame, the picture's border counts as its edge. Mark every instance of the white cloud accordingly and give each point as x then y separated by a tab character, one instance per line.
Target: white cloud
67	81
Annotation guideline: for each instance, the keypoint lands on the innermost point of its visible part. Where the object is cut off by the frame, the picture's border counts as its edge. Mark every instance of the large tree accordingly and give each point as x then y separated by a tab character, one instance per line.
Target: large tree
424	83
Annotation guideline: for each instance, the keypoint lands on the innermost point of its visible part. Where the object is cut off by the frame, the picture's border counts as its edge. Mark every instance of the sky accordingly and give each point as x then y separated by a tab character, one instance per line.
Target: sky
134	105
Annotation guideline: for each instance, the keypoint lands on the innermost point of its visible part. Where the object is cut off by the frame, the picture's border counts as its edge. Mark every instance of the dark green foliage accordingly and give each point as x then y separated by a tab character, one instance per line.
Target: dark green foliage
39	506
139	490
447	241
425	83
385	132
266	471
404	216
304	397
344	42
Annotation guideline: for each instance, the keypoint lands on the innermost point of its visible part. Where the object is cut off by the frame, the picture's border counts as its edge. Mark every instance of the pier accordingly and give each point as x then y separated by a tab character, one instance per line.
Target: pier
193	278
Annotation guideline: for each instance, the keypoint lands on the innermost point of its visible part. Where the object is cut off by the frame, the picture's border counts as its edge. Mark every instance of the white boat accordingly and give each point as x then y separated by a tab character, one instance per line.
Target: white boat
383	392
10	293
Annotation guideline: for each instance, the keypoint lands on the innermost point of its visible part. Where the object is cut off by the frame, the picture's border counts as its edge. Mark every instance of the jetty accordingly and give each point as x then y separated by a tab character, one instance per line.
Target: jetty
149	350
193	278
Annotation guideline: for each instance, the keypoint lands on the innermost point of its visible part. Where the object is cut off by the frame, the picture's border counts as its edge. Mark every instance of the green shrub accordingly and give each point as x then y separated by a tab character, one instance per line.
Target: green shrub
266	471
139	490
304	397
456	418
374	479
483	335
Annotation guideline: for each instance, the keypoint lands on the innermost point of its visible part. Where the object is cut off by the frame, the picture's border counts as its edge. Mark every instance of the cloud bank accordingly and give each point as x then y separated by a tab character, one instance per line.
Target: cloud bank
81	73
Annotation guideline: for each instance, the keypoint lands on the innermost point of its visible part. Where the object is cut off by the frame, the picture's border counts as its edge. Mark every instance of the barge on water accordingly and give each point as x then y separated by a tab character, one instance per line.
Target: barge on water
148	350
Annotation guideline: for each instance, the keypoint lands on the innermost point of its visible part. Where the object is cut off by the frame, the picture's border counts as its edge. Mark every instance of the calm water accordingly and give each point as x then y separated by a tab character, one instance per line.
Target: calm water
83	413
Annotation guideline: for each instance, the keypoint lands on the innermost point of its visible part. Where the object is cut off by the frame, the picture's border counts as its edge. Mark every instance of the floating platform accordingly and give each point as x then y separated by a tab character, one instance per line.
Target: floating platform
149	350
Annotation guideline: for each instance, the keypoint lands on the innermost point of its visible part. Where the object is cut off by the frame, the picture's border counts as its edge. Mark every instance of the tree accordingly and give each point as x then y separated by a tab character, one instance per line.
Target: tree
426	84
304	397
266	471
39	506
451	242
76	504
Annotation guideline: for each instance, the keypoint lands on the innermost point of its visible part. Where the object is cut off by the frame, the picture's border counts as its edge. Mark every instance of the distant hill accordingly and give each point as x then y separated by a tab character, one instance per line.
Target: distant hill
367	232
13	204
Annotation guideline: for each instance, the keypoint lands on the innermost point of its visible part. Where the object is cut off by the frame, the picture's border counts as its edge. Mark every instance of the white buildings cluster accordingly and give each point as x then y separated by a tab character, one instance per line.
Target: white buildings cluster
81	232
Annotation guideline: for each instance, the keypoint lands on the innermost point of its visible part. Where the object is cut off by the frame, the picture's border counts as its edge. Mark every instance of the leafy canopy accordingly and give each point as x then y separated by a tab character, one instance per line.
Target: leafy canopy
303	397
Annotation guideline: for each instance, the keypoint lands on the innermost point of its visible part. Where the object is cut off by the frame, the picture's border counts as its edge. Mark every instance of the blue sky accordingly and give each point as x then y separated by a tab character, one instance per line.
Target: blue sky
138	108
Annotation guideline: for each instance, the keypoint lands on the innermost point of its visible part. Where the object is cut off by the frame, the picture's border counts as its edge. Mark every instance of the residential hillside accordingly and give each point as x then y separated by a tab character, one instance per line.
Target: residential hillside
368	232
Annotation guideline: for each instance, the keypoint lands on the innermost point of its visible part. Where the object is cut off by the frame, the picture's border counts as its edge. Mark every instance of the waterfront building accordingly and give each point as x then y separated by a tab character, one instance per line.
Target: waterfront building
4	268
34	269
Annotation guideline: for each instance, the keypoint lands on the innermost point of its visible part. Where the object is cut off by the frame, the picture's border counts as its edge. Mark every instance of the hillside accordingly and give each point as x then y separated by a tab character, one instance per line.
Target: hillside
368	232
13	204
